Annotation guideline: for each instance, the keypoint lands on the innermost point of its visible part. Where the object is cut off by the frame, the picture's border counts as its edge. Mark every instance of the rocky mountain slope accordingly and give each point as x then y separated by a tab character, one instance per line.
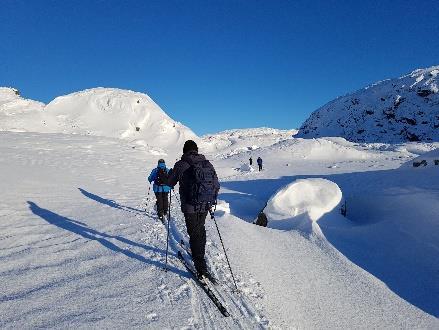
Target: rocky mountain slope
393	110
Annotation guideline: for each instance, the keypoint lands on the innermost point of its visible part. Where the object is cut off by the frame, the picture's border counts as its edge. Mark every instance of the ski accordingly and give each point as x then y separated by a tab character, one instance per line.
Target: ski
186	248
204	286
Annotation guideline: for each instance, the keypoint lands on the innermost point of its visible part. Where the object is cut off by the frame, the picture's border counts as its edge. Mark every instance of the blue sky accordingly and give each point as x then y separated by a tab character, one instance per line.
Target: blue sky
215	65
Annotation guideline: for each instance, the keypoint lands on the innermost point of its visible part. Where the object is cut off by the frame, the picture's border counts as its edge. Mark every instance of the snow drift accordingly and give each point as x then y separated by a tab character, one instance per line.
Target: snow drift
393	110
301	203
243	141
246	168
428	160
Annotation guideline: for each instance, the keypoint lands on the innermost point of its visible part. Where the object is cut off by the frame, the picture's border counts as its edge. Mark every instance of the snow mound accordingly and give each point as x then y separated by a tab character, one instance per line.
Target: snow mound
116	113
393	110
246	168
18	114
107	112
426	160
8	94
302	202
321	149
243	141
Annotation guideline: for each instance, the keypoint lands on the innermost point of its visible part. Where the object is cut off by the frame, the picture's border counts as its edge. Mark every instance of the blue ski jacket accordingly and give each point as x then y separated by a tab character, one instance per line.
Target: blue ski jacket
153	176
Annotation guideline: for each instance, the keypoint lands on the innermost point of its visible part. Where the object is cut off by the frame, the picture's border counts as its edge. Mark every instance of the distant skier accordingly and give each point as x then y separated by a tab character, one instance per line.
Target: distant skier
250	160
194	171
259	161
159	176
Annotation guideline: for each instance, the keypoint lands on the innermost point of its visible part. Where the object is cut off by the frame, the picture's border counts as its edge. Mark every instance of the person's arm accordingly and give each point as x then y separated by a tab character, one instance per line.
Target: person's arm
177	172
216	181
174	175
152	176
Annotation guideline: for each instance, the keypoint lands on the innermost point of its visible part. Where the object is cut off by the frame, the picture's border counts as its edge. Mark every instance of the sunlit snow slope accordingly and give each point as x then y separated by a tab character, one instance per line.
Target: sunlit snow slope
19	114
108	112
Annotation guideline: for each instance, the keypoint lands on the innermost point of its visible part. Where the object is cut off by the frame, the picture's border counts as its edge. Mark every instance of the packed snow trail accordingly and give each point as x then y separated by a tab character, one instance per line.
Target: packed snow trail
243	315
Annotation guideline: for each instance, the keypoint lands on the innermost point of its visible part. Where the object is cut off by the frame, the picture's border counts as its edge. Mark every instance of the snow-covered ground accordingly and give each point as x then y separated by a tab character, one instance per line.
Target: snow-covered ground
81	246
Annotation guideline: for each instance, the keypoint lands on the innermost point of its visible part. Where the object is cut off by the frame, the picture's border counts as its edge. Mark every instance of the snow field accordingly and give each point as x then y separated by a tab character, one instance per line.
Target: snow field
80	245
78	248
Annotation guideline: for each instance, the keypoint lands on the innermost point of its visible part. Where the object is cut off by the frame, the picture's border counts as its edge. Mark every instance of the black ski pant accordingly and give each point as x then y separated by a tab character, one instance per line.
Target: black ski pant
197	238
162	203
260	167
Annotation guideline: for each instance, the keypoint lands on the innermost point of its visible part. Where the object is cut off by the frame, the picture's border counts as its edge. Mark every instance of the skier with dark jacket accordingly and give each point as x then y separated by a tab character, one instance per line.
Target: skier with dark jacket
159	176
195	203
259	161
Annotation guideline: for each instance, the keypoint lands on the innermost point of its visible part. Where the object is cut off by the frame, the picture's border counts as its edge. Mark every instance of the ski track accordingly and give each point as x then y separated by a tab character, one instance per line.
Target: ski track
206	314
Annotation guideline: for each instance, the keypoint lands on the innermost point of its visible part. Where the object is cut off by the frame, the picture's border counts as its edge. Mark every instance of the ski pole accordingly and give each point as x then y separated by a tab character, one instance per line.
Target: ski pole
212	215
147	196
167	236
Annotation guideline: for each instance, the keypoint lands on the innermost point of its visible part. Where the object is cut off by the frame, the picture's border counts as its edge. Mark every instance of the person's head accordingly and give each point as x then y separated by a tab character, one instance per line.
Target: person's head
161	163
190	145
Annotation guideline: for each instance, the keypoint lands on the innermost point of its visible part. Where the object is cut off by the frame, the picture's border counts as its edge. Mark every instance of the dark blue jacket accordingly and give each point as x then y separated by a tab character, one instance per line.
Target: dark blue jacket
259	160
153	176
179	174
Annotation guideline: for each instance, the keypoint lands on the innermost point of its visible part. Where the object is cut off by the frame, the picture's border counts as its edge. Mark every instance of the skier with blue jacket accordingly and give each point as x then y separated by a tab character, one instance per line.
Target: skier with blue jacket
159	176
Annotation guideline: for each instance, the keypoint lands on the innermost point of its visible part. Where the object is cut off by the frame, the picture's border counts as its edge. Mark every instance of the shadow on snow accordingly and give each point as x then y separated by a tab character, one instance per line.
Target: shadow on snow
108	202
83	230
373	236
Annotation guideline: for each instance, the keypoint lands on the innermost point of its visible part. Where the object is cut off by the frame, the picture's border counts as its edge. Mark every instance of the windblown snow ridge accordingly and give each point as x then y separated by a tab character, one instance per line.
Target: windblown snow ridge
393	110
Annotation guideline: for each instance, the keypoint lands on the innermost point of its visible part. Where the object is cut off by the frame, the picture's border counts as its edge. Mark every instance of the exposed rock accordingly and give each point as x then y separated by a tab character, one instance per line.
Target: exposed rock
392	111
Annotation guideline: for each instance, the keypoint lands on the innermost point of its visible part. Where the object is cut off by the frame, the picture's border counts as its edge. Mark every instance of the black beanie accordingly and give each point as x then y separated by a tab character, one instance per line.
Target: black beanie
190	145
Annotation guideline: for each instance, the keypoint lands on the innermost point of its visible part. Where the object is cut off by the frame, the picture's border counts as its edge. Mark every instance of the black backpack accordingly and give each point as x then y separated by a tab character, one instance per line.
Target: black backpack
203	185
162	177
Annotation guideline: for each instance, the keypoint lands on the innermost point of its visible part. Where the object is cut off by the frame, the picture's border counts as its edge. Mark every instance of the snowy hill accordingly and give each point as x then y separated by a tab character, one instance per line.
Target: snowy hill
236	141
393	110
19	114
108	112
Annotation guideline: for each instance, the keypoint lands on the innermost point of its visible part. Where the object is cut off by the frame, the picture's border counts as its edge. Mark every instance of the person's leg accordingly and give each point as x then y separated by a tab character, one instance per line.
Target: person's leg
166	203
160	197
197	238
